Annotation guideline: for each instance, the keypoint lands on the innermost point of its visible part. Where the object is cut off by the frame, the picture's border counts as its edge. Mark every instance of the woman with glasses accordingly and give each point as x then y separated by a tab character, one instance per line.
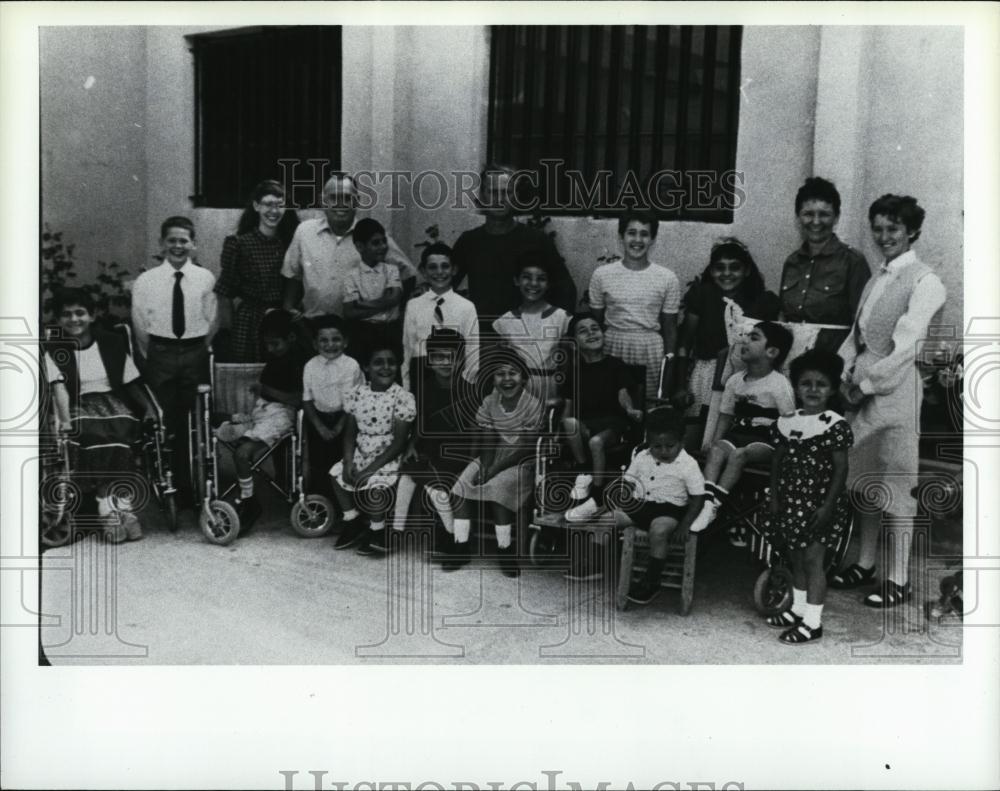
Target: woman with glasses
731	274
251	270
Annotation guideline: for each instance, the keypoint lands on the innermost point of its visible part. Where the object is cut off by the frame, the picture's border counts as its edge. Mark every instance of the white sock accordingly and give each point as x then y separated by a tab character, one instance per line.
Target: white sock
813	615
798	602
376	526
404	496
103	506
246	488
442	504
462	529
503	535
351	513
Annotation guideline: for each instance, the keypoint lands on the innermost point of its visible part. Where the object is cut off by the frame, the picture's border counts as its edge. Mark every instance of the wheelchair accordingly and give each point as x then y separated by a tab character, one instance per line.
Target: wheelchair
548	529
229	392
60	497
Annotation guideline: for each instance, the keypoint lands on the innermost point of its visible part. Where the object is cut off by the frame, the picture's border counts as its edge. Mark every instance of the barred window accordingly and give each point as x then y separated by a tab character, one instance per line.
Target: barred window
599	111
263	94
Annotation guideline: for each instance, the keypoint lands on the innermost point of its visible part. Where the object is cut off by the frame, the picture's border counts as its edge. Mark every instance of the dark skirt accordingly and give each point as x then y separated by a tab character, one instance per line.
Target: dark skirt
102	439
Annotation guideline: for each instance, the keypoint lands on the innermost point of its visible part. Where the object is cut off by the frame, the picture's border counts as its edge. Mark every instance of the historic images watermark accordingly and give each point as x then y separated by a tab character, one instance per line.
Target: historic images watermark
294	779
551	188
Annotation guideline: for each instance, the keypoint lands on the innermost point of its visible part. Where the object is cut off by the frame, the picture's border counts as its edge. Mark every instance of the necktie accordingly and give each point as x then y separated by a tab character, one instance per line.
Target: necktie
178	311
438	314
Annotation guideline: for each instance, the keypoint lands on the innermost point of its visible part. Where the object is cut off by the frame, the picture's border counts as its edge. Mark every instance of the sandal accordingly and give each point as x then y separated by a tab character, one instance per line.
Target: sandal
800	634
852	577
889	595
783	620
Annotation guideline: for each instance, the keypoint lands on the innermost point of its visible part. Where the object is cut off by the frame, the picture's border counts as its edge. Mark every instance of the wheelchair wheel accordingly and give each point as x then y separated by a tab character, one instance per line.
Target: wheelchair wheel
221	525
772	593
56	532
313	516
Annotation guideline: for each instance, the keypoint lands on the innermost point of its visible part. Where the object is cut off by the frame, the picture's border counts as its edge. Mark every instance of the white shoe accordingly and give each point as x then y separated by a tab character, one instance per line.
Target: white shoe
581	486
706	517
584	512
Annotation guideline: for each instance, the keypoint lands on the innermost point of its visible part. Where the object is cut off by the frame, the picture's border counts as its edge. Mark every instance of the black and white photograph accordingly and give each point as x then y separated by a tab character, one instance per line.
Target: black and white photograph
500	395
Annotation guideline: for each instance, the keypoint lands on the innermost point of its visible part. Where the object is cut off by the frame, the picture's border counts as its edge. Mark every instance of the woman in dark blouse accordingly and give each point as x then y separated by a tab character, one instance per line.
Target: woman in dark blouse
251	268
822	281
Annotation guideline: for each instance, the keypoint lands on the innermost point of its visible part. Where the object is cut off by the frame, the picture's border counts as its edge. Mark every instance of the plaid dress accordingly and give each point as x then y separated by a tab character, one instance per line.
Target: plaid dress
251	271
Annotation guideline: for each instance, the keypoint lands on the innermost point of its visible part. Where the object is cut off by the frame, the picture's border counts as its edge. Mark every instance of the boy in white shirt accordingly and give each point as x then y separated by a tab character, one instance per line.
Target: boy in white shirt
326	379
437	308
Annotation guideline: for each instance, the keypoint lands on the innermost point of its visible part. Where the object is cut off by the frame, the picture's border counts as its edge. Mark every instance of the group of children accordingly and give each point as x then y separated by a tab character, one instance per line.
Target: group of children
407	396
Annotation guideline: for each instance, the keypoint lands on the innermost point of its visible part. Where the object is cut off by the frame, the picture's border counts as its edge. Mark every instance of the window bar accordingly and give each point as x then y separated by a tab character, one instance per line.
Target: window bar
198	199
614	99
497	63
683	93
661	82
506	94
530	48
593	86
734	91
638	76
708	97
569	122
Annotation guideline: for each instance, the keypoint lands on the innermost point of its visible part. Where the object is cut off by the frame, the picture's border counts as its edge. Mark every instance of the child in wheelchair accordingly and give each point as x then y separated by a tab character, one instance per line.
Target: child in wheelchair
99	401
752	400
379	417
279	393
808	509
597	412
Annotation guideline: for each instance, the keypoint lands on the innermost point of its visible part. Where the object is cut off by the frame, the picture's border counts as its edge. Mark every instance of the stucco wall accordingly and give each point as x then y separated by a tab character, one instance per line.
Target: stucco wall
93	141
875	109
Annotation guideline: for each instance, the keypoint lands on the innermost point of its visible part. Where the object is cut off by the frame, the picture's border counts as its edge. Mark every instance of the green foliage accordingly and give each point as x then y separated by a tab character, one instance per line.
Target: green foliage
112	299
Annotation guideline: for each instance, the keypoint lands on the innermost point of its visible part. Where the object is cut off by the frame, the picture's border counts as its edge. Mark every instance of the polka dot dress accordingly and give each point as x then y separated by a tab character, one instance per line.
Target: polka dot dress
804	478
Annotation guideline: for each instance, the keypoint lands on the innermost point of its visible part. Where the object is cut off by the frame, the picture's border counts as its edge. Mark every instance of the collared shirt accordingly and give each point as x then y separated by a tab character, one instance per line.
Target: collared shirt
665	482
458	314
634	298
152	300
365	283
825	288
93	374
327	382
535	336
322	260
928	296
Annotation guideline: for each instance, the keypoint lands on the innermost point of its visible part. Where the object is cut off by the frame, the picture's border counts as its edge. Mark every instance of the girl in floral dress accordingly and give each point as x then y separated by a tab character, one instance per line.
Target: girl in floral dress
809	508
379	416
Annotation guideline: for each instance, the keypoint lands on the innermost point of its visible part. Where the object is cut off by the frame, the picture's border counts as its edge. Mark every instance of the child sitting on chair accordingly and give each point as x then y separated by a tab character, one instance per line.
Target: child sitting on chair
510	416
597	412
752	400
666	490
379	417
278	395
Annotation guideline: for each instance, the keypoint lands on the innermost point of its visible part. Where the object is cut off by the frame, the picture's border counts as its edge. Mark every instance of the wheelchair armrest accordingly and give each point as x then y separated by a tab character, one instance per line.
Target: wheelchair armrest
553	412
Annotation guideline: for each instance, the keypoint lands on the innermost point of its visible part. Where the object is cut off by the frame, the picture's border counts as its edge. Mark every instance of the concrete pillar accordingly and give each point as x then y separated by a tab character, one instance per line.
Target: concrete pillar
842	120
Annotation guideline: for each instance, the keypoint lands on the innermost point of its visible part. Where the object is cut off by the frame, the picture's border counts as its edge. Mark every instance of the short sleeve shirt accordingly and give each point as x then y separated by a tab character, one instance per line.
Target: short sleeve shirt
665	482
525	418
284	373
633	299
763	399
364	283
596	388
326	382
535	336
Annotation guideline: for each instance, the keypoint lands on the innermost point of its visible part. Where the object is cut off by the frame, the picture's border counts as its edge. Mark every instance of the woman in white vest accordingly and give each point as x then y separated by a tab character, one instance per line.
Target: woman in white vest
881	386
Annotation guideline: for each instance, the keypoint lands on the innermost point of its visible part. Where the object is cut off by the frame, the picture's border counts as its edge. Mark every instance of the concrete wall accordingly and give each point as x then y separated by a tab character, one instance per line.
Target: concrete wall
842	102
93	141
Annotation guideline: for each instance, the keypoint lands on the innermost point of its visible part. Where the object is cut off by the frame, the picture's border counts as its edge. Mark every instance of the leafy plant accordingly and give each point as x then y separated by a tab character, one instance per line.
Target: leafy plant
433	234
112	299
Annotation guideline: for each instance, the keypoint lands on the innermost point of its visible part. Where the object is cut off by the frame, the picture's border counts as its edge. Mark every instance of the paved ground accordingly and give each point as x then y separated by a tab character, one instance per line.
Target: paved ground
275	598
